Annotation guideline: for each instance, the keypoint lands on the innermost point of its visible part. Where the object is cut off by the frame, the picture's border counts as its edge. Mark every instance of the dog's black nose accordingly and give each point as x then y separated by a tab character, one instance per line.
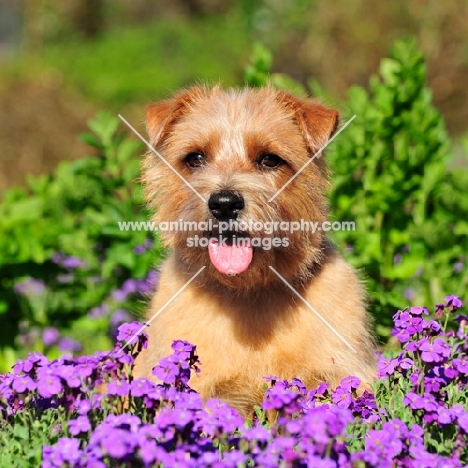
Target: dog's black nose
225	205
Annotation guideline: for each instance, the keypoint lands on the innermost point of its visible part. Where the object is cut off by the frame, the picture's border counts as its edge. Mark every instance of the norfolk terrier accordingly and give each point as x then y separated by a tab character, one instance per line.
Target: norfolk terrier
268	302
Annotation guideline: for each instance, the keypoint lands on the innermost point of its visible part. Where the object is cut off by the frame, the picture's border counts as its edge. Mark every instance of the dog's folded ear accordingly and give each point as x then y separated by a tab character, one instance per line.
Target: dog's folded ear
316	122
161	116
319	124
158	119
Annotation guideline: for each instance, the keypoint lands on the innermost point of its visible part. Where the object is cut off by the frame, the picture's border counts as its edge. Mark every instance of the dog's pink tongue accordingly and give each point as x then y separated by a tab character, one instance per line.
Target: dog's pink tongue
229	259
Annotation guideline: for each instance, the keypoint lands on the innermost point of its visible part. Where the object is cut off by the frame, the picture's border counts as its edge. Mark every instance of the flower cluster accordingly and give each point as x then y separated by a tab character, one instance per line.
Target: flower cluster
111	311
416	416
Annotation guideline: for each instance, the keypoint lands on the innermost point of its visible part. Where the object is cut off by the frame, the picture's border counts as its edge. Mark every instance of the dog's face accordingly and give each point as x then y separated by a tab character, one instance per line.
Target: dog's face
237	149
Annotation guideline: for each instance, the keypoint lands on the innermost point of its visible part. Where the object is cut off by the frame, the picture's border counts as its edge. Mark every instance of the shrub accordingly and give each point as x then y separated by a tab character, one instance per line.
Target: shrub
64	263
390	177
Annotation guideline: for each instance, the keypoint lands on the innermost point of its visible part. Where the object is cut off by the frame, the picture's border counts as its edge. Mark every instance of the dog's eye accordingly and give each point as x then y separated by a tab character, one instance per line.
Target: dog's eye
195	159
270	161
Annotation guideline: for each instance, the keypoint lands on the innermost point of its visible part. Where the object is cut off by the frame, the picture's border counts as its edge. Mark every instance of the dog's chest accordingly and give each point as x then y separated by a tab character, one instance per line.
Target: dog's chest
233	341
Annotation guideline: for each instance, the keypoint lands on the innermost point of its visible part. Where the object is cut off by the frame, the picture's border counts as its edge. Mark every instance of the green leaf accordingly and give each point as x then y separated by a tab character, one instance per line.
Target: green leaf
21	432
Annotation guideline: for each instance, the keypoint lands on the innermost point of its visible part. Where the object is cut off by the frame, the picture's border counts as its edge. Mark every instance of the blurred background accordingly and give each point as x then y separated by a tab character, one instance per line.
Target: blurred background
60	62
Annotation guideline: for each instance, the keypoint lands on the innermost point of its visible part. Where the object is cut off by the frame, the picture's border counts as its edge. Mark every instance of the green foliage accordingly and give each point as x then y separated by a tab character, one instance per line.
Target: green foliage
390	177
130	63
257	72
21	442
73	213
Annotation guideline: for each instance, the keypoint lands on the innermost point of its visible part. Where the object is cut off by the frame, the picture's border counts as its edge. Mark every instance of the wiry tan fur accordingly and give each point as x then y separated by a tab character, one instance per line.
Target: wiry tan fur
251	325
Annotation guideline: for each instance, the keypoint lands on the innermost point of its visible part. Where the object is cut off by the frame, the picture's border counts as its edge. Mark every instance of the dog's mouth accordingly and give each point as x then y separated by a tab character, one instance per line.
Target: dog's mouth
230	252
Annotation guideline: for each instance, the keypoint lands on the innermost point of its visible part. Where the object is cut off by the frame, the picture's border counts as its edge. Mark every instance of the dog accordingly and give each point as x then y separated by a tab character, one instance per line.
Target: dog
295	309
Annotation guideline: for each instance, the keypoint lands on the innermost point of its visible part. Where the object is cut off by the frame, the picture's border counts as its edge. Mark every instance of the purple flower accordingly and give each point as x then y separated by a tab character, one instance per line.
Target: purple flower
118	387
279	398
152	278
463	422
397	427
98	311
258	433
83	407
461	318
385	444
234	458
22	383
120	316
139	249
414	345
130	286
433	384
69	374
401	334
429	403
351	382
415	378
129	332
79	425
453	302
29	287
419	311
130	421
342	397
85	366
314	425
150	452
69	344
404	363
57	257
50	336
142	287
461	364
167	370
434	327
366	406
450	372
72	263
183	349
65	279
175	417
444	415
221	418
118	443
119	295
436	351
458	267
141	387
319	462
149	243
48	385
386	366
413	400
27	365
409	294
65	452
191	401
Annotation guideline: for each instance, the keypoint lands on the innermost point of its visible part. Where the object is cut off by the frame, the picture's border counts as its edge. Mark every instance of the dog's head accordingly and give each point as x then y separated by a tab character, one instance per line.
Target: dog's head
240	162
